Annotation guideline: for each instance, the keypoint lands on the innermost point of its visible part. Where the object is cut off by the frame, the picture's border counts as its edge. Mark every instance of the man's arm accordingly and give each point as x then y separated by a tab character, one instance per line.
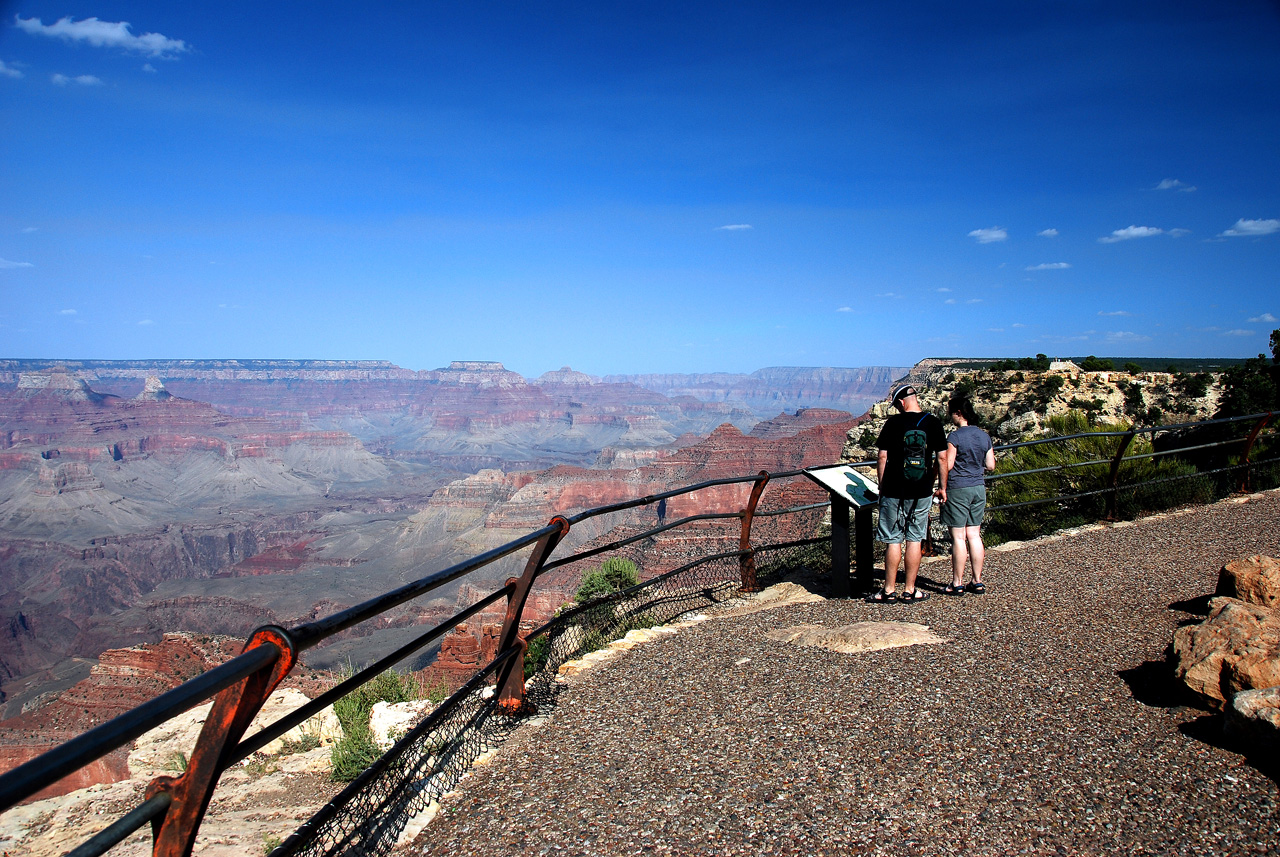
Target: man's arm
882	460
945	460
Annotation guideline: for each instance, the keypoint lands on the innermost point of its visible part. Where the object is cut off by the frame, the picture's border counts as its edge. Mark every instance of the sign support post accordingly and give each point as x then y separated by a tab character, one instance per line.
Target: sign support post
849	490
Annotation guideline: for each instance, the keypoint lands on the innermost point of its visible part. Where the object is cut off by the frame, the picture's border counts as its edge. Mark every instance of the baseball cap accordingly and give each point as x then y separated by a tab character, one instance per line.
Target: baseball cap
902	392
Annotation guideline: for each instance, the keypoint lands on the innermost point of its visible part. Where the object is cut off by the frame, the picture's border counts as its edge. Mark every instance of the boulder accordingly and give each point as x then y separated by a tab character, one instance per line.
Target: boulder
1236	648
391	720
1255	579
1254	718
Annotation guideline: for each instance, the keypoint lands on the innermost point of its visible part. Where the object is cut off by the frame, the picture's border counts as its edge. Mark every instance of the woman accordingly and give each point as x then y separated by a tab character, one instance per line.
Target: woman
969	454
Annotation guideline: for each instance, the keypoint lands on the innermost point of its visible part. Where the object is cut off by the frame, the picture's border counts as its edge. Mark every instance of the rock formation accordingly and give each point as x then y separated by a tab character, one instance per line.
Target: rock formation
1232	659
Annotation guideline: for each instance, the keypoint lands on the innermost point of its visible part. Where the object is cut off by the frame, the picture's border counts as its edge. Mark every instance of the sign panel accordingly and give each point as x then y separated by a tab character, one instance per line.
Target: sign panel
843	480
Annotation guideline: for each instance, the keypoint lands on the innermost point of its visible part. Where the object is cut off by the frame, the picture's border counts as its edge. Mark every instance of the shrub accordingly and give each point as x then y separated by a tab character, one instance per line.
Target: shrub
536	656
357	749
354	753
613	575
1132	368
1093	364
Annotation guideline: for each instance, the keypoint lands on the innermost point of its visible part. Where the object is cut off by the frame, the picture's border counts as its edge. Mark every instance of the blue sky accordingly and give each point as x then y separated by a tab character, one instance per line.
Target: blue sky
638	187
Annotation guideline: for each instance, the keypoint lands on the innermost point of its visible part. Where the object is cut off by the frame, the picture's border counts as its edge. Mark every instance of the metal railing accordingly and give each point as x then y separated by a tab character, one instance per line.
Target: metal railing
370	814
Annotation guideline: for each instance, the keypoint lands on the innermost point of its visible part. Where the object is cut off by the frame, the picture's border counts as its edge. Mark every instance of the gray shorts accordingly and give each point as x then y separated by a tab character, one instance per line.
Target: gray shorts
964	507
903	520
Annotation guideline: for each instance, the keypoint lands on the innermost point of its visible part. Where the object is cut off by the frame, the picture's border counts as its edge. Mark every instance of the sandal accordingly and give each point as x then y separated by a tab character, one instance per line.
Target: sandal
954	589
881	597
913	595
977	587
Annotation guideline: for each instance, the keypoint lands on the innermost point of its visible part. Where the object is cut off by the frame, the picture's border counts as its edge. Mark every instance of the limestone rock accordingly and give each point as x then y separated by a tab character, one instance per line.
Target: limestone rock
390	721
1236	648
858	637
1255	579
1254	717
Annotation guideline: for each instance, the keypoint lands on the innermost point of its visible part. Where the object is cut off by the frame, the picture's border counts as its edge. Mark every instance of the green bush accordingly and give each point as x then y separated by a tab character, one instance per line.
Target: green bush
1093	364
357	750
1027	522
536	656
613	575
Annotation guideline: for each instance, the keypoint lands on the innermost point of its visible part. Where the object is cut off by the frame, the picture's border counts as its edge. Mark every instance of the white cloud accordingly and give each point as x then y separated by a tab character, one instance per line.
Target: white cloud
27	230
995	330
1017	324
1048	233
1126	336
732	227
1237	332
889	295
1050	266
66	312
949	301
1130	232
1115	312
5	263
105	34
146	321
1174	184
148	67
989	235
9	71
844	309
974	301
1252	227
1265	318
82	79
944	289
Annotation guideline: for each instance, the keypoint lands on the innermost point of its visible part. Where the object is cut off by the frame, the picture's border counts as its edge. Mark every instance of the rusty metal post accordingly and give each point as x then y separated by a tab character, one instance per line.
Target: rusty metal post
1248	448
510	679
747	561
1112	497
233	710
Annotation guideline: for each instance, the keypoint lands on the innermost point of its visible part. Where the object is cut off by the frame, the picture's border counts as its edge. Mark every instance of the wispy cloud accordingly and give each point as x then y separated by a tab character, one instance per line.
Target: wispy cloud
149	68
989	235
66	312
1265	318
1129	233
995	330
105	34
82	79
949	301
9	71
1048	233
844	309
1175	184
1126	336
5	263
145	322
732	227
1114	312
1017	324
1251	227
27	230
1049	266
1237	332
974	301
943	289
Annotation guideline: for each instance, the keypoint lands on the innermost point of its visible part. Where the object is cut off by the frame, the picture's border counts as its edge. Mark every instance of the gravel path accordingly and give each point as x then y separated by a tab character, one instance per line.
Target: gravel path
1048	726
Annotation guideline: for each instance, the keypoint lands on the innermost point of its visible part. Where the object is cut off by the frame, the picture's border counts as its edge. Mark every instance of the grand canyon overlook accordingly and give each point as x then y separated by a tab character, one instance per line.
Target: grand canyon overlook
212	497
131	511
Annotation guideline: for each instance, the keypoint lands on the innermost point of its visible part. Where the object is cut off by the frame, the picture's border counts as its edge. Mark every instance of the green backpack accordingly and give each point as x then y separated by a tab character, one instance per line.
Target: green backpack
915	447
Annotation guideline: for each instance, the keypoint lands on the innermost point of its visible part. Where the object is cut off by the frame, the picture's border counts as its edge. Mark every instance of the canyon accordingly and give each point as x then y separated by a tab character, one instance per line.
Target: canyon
139	499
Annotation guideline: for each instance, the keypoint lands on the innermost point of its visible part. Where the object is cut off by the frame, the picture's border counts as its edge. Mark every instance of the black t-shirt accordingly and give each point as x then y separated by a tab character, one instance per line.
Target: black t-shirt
892	437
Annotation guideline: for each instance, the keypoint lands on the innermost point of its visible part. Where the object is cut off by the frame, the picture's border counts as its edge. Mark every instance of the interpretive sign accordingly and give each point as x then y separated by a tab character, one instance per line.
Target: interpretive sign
850	485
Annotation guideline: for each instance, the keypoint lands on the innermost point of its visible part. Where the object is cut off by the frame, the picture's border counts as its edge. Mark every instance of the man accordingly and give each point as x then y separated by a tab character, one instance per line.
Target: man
912	445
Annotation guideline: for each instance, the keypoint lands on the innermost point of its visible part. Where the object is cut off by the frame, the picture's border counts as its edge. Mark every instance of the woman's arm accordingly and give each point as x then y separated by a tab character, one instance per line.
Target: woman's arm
990	461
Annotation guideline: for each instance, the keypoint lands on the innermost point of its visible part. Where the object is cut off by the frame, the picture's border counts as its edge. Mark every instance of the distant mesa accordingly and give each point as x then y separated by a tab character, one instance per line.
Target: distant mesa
477	366
565	375
153	391
57	382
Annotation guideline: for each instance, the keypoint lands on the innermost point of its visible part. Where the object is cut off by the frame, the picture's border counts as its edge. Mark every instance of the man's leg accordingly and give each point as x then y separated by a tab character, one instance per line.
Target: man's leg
959	554
913	566
892	556
977	553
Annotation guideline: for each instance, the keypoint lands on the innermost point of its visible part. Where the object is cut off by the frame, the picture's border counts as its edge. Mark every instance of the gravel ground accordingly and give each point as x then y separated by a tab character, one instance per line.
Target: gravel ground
1049	725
